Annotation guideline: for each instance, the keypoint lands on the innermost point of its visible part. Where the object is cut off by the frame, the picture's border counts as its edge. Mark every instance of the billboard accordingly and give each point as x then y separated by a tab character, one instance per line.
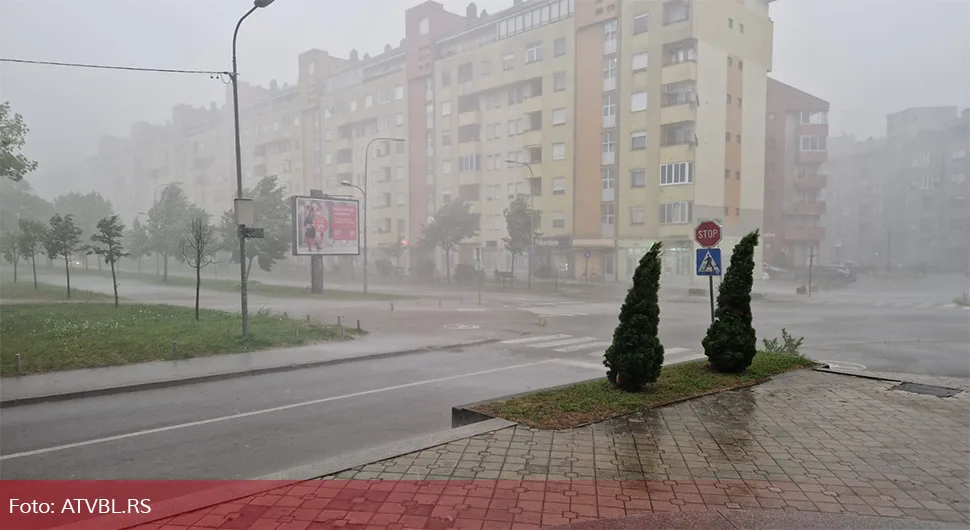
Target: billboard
325	226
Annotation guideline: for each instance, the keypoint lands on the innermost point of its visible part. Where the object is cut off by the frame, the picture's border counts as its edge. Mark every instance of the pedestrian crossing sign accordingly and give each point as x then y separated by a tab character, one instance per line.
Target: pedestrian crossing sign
708	262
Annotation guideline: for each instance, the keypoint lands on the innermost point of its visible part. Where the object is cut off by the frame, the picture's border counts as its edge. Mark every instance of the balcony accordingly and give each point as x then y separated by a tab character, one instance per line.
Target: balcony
676	72
804	233
806	208
676	108
470	118
813	157
811	183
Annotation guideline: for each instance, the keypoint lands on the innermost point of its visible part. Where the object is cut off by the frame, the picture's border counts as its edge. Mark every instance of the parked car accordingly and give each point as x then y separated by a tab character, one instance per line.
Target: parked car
826	276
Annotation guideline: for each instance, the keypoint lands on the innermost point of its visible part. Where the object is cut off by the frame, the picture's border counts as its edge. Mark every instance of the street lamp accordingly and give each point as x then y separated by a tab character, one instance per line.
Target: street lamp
239	186
363	232
154	204
363	191
532	218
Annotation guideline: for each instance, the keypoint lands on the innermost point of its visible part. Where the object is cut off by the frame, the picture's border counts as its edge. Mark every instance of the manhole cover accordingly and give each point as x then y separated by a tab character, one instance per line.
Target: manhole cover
842	365
927	390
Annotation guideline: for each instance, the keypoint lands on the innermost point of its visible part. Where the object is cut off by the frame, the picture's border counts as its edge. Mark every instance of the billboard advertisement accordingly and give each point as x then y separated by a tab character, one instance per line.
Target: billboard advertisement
325	226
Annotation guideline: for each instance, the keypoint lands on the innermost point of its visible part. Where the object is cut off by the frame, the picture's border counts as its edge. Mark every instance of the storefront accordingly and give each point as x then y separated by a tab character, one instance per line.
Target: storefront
553	257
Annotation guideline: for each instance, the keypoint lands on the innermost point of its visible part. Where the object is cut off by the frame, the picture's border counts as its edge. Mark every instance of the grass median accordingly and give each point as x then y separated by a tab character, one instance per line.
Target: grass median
51	337
253	287
592	401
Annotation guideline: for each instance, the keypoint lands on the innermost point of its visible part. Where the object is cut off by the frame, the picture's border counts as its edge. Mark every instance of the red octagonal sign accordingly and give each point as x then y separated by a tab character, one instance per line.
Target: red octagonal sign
707	233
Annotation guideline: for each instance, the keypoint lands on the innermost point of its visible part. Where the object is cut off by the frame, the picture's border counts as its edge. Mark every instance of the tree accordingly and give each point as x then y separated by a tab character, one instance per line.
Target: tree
636	355
452	224
731	341
62	240
87	209
271	213
396	251
10	243
138	242
13	136
198	247
32	235
108	244
166	223
520	221
18	202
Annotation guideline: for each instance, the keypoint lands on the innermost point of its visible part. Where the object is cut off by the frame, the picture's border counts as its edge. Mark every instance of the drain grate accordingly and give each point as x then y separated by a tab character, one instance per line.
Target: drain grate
927	390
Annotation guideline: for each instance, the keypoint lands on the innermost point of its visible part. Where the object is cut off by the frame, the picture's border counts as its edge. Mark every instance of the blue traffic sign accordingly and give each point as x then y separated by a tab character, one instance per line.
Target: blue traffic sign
709	262
588	254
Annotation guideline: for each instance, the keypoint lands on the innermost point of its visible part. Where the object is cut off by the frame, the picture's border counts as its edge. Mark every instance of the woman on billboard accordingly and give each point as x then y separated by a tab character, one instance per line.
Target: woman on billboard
321	225
309	233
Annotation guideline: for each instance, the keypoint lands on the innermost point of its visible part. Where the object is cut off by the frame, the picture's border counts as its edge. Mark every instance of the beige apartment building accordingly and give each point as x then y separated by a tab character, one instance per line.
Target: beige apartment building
624	121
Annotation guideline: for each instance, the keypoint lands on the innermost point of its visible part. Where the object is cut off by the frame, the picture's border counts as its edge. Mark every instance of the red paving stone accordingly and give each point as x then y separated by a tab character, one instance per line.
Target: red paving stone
507	504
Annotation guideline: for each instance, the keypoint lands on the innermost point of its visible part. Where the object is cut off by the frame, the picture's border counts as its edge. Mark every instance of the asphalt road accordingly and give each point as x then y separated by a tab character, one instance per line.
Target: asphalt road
252	427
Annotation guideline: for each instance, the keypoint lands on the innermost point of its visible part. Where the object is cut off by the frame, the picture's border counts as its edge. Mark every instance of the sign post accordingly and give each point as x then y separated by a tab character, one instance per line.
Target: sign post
587	254
707	234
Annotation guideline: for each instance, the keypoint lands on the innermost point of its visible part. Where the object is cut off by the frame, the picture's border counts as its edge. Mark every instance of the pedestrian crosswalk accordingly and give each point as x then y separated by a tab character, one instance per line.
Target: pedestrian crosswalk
589	346
572	309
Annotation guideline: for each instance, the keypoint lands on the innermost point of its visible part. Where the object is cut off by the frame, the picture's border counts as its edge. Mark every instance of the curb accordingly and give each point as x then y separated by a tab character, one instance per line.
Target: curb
168	383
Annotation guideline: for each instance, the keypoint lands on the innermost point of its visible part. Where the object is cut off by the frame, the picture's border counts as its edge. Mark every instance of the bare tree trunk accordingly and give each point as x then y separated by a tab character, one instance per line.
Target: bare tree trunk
512	278
33	264
114	282
15	270
198	285
448	266
165	268
67	269
99	264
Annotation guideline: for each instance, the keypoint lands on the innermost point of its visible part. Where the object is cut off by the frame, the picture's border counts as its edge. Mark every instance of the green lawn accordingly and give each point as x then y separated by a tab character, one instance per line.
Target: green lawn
592	401
64	336
256	288
24	290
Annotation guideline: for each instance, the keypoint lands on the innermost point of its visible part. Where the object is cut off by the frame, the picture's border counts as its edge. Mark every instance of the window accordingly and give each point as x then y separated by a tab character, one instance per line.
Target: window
508	61
559	81
609	111
446	108
486	68
740	65
814	117
730	22
638	178
638	140
559	116
399	118
559	185
680	173
399	92
739	102
741	27
812	143
368	101
609	73
609	37
400	199
382	97
446	167
641	23
640	61
469	163
728	98
636	215
606	214
465	73
533	52
558	219
382	123
399	172
638	101
424	26
959	153
328	159
559	47
353	105
446	137
446	78
675	212
738	137
737	175
513	127
608	149
559	151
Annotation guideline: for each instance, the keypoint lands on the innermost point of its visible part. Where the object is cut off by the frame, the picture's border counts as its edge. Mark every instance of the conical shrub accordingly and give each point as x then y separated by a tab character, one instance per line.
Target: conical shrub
636	355
731	341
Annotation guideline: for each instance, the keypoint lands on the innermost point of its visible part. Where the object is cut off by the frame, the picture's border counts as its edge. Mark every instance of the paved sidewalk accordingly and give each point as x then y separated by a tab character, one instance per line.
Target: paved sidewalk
93	381
805	450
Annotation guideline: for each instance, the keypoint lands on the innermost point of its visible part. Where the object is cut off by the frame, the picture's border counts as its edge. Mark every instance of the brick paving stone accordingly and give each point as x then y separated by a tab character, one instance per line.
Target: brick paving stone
810	441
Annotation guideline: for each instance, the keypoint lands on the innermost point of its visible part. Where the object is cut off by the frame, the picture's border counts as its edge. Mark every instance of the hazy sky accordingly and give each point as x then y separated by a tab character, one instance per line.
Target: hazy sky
866	57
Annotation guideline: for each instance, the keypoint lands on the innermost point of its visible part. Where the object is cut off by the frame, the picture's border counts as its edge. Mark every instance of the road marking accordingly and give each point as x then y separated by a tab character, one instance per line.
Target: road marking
581	364
264	411
534	339
566	342
585	346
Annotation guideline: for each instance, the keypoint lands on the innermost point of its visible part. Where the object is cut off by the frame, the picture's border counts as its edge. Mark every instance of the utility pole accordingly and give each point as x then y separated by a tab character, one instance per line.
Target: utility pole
811	261
532	219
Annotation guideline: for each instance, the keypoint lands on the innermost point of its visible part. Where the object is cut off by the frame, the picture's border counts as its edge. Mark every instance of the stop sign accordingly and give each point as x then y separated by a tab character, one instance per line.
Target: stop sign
707	233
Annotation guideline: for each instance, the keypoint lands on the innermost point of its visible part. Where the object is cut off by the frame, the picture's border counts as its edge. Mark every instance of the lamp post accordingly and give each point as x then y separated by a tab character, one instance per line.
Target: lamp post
532	218
363	232
239	185
363	191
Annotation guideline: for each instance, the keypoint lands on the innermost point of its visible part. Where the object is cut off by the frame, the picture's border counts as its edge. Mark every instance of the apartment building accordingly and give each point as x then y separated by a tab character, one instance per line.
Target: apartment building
902	200
795	148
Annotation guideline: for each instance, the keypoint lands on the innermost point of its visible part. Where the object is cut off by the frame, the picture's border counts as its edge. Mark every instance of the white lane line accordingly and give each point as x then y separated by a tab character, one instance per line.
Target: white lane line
534	339
598	344
264	411
566	342
581	364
